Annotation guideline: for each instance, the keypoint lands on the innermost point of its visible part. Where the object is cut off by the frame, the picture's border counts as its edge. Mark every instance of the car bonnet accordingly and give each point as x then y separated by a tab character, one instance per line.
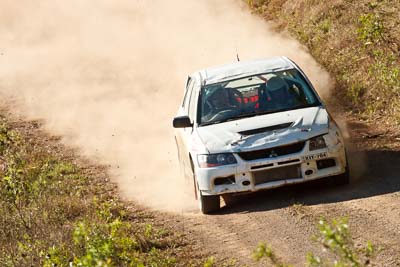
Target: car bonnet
265	131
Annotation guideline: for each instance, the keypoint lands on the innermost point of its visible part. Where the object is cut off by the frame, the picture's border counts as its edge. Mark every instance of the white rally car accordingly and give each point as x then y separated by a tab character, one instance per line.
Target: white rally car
255	125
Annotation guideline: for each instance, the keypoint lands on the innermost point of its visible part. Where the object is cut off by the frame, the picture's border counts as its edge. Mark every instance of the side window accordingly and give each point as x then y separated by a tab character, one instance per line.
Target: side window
193	102
188	93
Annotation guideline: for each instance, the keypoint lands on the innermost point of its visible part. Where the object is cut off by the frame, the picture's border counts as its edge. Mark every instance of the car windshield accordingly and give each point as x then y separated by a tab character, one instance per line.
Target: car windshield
255	95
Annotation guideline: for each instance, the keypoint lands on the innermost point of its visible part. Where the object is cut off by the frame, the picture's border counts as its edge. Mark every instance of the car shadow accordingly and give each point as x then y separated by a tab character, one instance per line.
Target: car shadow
373	173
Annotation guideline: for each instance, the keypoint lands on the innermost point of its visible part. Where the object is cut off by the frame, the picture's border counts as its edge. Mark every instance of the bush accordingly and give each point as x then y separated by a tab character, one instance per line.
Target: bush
335	237
370	28
54	215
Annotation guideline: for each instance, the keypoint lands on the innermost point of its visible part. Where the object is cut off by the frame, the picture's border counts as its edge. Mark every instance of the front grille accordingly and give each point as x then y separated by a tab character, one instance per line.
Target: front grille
272	152
276	174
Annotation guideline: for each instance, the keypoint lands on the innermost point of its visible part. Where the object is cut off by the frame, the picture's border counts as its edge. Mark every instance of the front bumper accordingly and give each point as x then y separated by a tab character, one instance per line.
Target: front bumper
254	175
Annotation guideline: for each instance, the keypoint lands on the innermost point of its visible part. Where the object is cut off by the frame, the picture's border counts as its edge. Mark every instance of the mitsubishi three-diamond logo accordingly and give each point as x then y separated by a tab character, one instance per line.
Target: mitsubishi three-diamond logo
272	154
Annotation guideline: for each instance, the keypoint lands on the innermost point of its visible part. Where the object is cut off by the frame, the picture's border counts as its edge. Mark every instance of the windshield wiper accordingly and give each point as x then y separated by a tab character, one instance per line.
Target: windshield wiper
212	122
238	117
224	120
253	114
256	113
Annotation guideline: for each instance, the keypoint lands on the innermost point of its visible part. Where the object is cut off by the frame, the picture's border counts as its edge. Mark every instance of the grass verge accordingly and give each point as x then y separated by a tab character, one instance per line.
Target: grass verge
57	213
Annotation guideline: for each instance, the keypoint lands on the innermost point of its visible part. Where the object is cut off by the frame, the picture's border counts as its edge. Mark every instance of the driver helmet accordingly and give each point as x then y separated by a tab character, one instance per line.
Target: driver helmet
277	89
220	98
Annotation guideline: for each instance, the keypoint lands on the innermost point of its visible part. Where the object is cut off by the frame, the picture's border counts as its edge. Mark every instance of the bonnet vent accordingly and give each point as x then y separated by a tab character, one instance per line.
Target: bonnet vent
266	129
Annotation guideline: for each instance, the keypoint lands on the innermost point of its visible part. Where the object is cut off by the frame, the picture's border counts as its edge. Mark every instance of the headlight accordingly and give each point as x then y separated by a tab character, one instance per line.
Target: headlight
214	160
317	143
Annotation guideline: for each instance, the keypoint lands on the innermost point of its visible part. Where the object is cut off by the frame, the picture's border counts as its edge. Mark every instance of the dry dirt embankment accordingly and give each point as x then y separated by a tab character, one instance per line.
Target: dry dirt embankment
358	42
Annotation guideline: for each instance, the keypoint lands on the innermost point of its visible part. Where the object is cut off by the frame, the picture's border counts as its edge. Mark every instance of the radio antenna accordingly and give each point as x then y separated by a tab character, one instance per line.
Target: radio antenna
237	55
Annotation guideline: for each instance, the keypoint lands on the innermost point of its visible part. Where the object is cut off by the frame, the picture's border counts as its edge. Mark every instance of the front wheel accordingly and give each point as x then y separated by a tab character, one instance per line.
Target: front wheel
342	179
207	204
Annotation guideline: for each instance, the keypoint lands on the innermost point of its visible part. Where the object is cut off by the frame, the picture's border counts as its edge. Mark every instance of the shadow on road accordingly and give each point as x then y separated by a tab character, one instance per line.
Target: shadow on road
373	173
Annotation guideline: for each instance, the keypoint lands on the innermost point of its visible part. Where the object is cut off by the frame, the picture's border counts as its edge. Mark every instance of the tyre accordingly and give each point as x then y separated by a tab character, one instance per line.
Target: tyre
229	199
342	179
208	204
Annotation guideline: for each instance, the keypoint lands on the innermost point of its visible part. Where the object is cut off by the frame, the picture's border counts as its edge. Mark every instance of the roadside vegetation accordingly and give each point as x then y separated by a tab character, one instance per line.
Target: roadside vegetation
335	238
56	213
358	42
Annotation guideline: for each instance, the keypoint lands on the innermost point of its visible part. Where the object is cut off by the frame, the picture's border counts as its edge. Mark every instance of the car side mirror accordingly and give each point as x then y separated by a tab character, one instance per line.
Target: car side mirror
182	122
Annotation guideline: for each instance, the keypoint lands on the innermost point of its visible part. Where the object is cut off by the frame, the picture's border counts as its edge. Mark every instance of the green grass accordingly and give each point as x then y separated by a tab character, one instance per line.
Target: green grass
54	214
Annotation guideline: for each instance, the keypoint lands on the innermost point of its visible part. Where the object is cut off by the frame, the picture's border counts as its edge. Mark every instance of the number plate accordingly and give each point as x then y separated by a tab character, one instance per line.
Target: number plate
315	156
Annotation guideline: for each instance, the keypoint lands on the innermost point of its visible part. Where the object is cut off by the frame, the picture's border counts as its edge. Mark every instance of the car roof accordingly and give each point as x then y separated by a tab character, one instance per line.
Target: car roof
243	69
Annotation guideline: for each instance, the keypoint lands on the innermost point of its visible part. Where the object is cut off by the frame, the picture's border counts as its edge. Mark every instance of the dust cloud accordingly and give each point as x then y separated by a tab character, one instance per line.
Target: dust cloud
108	76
